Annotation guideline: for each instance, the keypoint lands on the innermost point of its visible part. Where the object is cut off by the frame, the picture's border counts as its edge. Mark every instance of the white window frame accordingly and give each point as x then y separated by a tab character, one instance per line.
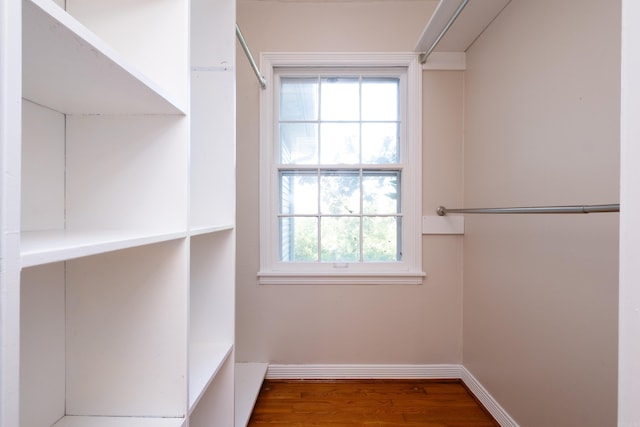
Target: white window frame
406	271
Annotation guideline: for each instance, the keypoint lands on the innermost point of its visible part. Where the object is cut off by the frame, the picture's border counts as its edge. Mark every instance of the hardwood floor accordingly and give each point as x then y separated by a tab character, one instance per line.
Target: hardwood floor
370	403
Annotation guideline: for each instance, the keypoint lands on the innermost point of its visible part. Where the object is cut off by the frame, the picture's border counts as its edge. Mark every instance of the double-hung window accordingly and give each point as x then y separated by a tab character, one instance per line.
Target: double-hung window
340	169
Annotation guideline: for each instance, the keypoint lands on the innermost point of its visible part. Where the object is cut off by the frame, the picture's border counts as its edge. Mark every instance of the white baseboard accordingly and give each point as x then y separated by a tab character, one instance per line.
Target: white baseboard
362	371
491	405
395	372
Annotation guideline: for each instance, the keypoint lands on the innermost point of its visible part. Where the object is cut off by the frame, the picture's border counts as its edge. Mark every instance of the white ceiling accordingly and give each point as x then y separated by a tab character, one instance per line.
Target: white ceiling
473	19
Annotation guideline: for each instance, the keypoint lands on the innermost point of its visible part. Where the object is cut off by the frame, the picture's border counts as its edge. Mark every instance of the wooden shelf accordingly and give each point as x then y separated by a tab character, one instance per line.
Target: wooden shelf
248	380
471	22
43	247
205	360
79	421
61	56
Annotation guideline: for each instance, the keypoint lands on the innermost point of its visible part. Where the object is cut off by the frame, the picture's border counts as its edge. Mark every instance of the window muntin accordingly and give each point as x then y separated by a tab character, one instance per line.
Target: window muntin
339	171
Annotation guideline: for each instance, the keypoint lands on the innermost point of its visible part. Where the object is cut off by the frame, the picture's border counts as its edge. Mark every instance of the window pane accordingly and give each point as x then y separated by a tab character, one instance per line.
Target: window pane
339	136
298	143
339	143
298	239
380	238
340	238
298	98
380	143
340	99
380	192
298	192
380	99
340	193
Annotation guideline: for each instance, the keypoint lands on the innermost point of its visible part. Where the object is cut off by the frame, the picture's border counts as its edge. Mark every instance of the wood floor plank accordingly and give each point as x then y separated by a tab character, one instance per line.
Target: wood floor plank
367	403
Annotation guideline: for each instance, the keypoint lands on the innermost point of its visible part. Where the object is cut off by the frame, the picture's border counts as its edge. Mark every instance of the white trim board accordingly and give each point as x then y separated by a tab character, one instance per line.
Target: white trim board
402	65
434	224
395	372
490	404
248	381
363	371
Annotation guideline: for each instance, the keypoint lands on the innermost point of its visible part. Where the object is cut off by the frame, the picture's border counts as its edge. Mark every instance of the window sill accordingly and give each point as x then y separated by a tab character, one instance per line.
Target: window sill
281	278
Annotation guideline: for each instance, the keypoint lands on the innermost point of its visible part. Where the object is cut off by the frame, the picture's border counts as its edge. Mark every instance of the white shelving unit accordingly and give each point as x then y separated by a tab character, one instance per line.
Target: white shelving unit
212	172
117	213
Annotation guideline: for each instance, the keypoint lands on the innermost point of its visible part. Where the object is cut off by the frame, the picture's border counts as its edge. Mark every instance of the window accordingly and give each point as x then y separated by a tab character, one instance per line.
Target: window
340	169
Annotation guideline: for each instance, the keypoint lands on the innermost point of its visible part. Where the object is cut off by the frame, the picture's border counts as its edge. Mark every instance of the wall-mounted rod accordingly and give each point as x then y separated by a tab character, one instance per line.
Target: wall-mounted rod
424	56
263	83
534	210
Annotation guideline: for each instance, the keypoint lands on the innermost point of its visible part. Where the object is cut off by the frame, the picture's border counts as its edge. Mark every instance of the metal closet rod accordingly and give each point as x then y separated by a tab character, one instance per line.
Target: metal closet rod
263	82
442	211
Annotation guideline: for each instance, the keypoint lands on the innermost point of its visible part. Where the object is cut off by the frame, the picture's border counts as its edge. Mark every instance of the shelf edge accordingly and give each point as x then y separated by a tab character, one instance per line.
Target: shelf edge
216	352
66	245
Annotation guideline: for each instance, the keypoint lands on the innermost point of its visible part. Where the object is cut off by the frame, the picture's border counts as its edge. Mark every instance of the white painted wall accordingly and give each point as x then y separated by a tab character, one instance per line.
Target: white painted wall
542	96
539	108
629	368
349	324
